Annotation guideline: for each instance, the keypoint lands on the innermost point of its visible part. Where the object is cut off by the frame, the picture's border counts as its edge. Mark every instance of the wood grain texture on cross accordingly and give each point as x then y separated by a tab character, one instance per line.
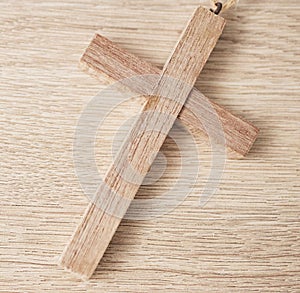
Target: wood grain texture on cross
143	143
110	64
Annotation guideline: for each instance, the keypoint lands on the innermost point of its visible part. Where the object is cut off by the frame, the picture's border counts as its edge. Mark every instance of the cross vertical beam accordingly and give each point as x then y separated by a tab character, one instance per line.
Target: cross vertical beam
143	143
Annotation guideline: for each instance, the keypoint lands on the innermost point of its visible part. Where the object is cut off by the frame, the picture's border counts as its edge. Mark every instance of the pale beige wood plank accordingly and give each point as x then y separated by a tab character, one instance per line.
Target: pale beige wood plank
109	63
246	239
141	146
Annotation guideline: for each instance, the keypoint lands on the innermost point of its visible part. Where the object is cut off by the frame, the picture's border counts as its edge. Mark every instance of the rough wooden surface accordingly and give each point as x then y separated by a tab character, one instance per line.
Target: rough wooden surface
246	239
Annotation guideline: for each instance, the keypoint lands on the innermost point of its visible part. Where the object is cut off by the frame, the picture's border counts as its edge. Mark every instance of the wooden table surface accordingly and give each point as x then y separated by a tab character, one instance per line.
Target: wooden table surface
245	239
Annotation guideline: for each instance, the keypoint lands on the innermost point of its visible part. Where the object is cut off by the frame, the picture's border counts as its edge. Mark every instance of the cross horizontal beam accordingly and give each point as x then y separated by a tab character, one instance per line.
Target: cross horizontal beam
109	63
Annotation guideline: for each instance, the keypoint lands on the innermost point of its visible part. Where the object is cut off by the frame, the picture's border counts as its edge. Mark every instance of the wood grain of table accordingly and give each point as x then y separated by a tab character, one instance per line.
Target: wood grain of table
245	239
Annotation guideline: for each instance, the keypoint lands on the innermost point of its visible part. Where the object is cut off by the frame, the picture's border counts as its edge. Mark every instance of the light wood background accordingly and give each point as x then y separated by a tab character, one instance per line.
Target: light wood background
246	239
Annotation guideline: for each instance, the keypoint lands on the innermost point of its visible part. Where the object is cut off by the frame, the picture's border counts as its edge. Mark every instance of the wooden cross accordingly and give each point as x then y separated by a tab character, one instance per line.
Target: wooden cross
169	93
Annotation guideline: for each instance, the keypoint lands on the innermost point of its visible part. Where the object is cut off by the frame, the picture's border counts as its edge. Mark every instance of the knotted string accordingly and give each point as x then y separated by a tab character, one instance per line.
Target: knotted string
226	3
